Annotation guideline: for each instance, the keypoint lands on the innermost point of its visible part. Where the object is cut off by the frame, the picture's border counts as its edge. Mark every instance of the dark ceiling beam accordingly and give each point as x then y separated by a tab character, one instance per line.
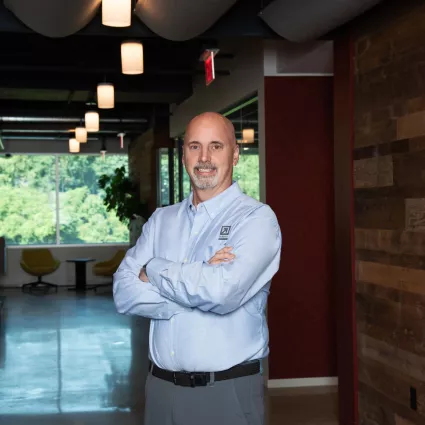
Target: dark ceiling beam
240	21
151	71
67	136
67	127
79	81
122	111
62	136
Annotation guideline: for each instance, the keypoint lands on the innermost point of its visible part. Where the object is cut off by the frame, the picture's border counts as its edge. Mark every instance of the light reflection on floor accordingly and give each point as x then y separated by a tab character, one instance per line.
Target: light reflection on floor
72	360
68	360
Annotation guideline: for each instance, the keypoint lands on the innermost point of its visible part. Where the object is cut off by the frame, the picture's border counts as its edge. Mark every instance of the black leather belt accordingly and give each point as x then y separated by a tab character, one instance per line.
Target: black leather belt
202	379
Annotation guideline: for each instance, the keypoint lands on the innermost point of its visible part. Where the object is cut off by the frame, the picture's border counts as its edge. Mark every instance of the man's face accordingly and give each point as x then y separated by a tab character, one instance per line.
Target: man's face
210	152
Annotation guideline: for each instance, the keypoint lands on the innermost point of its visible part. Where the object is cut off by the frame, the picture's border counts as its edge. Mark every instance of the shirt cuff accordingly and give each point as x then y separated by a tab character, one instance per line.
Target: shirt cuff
154	268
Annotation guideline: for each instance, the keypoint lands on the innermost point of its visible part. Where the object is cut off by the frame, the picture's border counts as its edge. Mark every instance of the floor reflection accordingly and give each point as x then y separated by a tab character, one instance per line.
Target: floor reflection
71	359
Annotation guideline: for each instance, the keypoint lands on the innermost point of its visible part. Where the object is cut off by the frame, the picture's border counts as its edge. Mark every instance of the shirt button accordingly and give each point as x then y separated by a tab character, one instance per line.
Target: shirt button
172	353
185	260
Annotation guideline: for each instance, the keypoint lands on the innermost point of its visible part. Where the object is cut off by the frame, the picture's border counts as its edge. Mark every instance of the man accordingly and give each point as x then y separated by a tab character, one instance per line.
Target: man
201	271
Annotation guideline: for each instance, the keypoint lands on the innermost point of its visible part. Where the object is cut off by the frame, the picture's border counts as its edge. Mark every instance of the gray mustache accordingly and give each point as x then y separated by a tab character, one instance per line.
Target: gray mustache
205	167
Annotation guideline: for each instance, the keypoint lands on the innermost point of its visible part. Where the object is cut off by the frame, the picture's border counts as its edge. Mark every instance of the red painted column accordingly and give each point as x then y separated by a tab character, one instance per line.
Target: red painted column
298	121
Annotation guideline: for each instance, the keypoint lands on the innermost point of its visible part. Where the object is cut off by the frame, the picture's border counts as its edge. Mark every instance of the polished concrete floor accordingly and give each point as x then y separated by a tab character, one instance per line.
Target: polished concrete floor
72	360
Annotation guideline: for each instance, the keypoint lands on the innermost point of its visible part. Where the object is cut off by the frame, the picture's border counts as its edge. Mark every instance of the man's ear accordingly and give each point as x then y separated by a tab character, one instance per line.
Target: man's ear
236	155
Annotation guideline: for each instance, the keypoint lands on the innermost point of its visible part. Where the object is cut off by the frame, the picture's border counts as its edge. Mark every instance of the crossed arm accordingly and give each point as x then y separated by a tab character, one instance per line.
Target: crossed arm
216	286
131	295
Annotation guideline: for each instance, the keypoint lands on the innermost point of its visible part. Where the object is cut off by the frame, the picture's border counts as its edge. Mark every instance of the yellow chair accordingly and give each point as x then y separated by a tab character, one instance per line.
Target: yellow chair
109	267
39	262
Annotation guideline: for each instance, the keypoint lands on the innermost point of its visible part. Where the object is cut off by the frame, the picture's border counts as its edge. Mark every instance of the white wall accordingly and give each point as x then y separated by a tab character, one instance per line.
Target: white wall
65	275
285	59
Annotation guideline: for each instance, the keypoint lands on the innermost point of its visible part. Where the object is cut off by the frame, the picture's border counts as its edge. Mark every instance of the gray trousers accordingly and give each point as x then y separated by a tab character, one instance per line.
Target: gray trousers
237	401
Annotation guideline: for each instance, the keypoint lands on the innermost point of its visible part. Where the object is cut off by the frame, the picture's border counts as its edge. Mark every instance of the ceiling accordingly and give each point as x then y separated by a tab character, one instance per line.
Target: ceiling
52	57
46	83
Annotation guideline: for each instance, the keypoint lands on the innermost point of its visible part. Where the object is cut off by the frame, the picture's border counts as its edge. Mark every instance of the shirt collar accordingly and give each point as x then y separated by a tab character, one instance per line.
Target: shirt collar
214	205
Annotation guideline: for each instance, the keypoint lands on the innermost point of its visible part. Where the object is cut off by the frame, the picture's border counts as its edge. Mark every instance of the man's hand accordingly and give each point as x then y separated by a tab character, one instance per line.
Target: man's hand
222	256
143	276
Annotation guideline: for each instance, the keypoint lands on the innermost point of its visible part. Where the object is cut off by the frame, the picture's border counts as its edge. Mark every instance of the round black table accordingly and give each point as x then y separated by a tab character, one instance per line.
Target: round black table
80	274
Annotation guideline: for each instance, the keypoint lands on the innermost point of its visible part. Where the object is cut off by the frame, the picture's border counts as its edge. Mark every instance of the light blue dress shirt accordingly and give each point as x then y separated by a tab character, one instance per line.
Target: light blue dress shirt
205	318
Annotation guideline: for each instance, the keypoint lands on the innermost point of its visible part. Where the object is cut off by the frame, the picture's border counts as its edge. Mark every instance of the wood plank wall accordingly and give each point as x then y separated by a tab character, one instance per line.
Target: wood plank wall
389	181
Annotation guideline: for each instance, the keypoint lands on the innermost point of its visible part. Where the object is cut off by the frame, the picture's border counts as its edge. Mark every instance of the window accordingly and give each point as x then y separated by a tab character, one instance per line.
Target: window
55	199
244	116
176	175
164	178
186	184
168	189
247	172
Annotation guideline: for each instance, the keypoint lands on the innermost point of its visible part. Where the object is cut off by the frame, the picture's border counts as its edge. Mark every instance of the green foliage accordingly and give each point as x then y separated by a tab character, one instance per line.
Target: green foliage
164	183
83	216
247	174
35	171
121	196
28	200
85	170
26	216
95	202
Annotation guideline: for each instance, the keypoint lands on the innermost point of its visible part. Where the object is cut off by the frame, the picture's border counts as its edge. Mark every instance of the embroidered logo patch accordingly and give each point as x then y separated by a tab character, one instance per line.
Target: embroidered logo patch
224	233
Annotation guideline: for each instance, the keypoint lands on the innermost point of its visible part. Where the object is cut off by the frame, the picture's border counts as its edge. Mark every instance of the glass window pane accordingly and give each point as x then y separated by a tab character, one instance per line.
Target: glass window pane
176	176
83	216
164	186
244	117
247	172
27	199
186	184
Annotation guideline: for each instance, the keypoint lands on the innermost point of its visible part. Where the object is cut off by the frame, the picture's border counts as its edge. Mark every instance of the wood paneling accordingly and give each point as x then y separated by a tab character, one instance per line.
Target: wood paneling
391	241
401	278
412	125
389	152
373	172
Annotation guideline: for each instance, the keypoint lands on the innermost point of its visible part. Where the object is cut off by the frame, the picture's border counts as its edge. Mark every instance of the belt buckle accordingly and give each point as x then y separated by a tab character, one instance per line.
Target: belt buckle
198	380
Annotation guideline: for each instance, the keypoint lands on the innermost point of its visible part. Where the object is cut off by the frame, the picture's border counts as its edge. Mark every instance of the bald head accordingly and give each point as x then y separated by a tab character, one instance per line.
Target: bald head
210	152
213	119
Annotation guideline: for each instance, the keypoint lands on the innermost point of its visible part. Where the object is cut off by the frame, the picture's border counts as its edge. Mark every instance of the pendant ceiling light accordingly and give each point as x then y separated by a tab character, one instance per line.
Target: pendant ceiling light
103	149
132	57
91	119
116	13
248	135
81	134
105	96
74	146
121	136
